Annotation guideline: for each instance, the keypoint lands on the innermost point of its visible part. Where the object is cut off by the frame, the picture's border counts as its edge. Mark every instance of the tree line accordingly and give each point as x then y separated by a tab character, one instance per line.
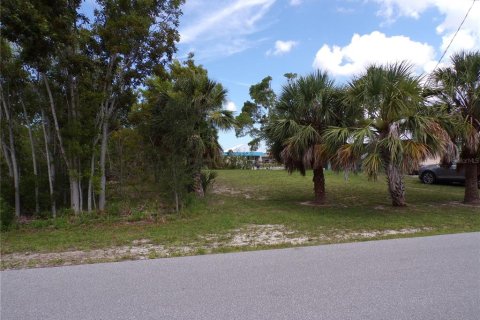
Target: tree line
87	100
69	80
385	120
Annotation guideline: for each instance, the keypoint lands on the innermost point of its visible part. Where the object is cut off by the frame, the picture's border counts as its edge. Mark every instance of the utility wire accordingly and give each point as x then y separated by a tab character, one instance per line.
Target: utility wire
456	32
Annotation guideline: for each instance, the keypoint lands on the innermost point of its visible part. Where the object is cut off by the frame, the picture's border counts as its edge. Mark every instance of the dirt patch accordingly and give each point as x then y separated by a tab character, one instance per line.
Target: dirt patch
378	233
219	189
246	193
461	204
265	235
139	250
314	204
249	236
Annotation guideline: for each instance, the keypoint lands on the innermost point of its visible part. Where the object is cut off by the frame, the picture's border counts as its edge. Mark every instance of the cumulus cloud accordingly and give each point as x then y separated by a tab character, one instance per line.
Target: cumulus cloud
282	47
375	47
230	106
295	2
452	11
213	29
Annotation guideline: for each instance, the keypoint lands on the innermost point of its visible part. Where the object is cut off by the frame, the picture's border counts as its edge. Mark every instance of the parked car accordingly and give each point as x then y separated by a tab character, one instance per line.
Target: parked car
435	173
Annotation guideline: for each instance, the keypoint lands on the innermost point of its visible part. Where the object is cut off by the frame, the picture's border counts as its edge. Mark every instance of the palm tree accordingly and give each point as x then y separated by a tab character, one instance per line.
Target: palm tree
203	99
397	132
306	107
459	89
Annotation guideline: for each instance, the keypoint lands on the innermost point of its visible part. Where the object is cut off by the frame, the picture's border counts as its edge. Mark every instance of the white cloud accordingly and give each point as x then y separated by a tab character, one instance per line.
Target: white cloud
295	2
282	47
453	12
375	47
222	29
230	106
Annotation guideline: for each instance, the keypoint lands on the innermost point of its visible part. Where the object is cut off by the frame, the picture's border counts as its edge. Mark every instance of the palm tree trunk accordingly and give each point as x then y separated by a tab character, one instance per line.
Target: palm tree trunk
197	185
396	187
471	183
319	185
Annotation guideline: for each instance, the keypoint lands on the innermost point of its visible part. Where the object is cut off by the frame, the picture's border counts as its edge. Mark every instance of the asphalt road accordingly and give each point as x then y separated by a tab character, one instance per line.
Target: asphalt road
417	278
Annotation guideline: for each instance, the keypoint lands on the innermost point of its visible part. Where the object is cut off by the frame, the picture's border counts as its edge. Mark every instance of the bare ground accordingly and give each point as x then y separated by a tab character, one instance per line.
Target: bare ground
249	236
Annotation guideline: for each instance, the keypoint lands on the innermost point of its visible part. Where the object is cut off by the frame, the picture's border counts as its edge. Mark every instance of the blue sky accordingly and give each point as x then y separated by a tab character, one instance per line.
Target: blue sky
240	42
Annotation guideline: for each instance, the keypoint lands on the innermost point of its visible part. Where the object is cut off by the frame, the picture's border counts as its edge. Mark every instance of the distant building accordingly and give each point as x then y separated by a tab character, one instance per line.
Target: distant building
250	155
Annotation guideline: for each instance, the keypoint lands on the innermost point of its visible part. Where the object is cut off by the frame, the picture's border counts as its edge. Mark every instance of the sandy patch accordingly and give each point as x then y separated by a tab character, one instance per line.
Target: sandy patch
139	250
379	233
246	193
267	234
249	236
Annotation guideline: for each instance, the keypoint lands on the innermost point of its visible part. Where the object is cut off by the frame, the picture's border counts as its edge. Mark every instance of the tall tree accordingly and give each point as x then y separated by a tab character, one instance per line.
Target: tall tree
458	87
50	36
89	70
186	111
254	114
398	131
306	107
11	79
136	39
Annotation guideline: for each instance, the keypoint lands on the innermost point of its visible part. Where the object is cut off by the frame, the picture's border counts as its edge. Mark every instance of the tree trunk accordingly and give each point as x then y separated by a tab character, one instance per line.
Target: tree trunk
80	189
319	185
472	195
197	185
177	202
396	186
90	195
6	155
50	163
55	122
74	194
13	156
103	154
34	158
72	173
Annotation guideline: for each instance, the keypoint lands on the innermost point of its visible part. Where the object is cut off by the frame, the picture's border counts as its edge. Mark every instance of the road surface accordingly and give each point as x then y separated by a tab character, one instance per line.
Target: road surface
418	278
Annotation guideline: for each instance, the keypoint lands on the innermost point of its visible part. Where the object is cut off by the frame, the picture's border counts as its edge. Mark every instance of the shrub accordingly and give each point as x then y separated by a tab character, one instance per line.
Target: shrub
7	216
208	178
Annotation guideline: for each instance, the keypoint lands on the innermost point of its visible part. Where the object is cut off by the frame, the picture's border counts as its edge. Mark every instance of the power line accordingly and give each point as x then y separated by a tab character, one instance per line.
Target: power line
456	32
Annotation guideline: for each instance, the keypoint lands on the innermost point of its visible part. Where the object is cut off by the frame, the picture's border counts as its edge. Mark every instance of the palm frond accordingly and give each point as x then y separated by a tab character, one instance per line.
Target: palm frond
222	119
345	158
372	164
414	153
303	139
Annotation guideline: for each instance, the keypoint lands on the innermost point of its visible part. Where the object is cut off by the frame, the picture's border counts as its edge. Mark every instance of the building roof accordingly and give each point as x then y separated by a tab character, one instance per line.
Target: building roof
246	154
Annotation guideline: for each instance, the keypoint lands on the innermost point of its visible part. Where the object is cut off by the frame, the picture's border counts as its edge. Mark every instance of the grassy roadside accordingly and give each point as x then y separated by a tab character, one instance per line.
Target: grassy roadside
245	210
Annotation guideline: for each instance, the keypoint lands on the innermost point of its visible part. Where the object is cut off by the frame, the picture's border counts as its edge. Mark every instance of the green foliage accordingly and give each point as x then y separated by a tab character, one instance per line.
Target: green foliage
208	179
236	162
396	130
180	121
7	214
254	115
306	107
77	76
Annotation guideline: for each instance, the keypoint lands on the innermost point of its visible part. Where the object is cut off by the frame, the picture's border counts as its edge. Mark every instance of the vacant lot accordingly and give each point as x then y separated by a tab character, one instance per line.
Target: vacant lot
245	210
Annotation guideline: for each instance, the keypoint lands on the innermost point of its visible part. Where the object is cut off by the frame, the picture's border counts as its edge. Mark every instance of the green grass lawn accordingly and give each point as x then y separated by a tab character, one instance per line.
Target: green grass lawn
244	199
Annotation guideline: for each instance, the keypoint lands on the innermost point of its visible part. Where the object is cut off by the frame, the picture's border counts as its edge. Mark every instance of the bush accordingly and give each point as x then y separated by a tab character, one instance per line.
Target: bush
7	216
208	178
